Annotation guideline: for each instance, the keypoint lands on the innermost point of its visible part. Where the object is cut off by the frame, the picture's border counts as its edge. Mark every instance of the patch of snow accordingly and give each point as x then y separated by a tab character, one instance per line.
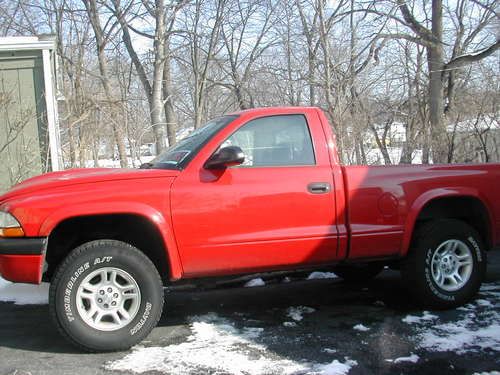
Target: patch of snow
487	373
254	282
286	280
361	327
334	368
329	350
477	329
296	313
321	275
410	319
379	303
217	346
290	324
490	287
413	358
24	294
460	337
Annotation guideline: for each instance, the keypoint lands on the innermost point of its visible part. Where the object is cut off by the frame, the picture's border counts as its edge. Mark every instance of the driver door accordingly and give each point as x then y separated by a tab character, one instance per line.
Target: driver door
266	213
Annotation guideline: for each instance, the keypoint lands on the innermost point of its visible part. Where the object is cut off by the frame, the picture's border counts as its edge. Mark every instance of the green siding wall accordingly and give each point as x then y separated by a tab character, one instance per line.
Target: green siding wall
23	135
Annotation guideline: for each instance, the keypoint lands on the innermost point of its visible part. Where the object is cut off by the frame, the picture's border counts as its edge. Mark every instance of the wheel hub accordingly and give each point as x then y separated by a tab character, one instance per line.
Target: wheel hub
108	299
451	265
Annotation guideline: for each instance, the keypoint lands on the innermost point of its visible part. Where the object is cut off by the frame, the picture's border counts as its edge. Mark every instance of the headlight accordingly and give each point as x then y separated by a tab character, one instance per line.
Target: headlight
9	226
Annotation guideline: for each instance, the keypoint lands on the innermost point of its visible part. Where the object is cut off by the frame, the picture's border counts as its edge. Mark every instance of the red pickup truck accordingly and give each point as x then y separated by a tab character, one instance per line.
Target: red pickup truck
254	191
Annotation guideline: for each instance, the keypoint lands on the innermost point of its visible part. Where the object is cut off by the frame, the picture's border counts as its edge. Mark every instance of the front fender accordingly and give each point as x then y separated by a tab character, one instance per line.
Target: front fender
134	208
431	195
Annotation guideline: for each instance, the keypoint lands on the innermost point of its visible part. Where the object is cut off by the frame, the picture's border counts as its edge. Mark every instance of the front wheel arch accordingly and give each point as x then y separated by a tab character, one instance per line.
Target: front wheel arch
133	229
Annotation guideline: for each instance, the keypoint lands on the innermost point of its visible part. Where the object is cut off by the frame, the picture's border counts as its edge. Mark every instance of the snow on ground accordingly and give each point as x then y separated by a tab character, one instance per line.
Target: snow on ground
24	294
216	345
329	350
321	275
410	319
254	282
413	358
296	313
478	328
361	327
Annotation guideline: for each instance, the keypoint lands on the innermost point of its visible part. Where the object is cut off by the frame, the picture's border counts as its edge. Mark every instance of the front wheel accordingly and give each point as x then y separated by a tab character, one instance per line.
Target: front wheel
106	296
446	264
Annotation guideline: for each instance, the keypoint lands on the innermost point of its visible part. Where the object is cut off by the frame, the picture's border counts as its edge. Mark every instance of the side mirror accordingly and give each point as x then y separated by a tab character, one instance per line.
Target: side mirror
225	157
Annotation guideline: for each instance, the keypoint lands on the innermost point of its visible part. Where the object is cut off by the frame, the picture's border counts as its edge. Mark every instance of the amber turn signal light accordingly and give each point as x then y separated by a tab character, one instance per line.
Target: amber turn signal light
12	232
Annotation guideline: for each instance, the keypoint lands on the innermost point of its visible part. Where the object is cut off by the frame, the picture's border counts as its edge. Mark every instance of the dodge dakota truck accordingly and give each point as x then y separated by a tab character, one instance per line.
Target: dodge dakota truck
260	190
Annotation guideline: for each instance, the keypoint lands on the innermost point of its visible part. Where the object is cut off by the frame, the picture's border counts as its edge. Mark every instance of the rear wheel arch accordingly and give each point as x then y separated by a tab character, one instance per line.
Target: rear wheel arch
469	208
136	230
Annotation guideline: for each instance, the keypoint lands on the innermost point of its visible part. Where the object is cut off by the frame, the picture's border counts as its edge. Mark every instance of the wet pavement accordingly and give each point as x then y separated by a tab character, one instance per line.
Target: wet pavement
300	326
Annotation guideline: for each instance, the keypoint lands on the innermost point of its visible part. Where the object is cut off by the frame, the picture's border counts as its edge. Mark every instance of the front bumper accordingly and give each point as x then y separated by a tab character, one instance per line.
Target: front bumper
21	259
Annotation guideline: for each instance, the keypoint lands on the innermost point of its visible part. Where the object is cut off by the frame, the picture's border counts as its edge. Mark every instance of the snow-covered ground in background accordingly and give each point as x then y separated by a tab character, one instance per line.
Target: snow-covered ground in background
112	163
24	294
216	345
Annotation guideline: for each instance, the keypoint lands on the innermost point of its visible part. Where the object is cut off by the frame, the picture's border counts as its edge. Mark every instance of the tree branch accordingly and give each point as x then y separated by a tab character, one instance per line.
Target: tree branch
462	60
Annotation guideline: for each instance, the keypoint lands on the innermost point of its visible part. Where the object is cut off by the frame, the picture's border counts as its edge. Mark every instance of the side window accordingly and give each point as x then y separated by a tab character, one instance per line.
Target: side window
274	141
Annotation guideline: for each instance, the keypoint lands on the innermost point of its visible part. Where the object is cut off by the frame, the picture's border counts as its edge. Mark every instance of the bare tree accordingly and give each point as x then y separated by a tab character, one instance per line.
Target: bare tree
102	37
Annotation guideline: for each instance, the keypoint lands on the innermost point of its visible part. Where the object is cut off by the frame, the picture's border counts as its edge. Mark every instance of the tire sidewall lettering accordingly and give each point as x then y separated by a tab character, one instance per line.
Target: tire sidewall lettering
430	281
147	311
72	284
476	248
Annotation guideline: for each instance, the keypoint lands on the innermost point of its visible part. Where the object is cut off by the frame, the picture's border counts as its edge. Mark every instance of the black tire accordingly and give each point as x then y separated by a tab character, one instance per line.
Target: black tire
358	272
105	255
417	268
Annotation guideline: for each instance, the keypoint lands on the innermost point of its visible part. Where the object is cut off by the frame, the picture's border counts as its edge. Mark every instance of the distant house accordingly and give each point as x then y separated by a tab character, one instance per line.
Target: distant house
29	131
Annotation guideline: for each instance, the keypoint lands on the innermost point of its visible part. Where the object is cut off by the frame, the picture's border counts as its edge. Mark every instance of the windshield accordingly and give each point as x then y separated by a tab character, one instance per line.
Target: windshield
177	156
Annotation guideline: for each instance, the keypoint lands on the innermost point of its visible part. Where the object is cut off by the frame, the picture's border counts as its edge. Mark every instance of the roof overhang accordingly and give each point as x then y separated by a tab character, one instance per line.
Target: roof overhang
16	43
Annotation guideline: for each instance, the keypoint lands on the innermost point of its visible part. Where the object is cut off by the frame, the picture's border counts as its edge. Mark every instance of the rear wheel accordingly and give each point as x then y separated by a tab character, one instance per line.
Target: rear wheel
106	296
358	272
446	264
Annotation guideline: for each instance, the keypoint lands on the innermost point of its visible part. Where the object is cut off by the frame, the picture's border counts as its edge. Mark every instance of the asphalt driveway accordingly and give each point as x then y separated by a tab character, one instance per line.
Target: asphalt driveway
287	326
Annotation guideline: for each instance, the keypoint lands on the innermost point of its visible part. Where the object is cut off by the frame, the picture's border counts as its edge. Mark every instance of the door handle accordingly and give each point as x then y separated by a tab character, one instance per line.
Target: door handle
319	187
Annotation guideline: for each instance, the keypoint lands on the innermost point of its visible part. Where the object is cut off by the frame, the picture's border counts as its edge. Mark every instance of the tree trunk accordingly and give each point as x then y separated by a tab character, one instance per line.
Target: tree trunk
168	106
435	61
157	88
118	135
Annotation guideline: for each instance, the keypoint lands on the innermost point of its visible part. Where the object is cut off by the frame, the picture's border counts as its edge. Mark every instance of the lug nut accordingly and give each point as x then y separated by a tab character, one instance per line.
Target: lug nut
99	300
101	292
110	290
113	303
115	295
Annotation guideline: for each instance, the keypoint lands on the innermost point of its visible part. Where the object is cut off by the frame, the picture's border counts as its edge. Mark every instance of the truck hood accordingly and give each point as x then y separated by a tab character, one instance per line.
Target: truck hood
82	176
